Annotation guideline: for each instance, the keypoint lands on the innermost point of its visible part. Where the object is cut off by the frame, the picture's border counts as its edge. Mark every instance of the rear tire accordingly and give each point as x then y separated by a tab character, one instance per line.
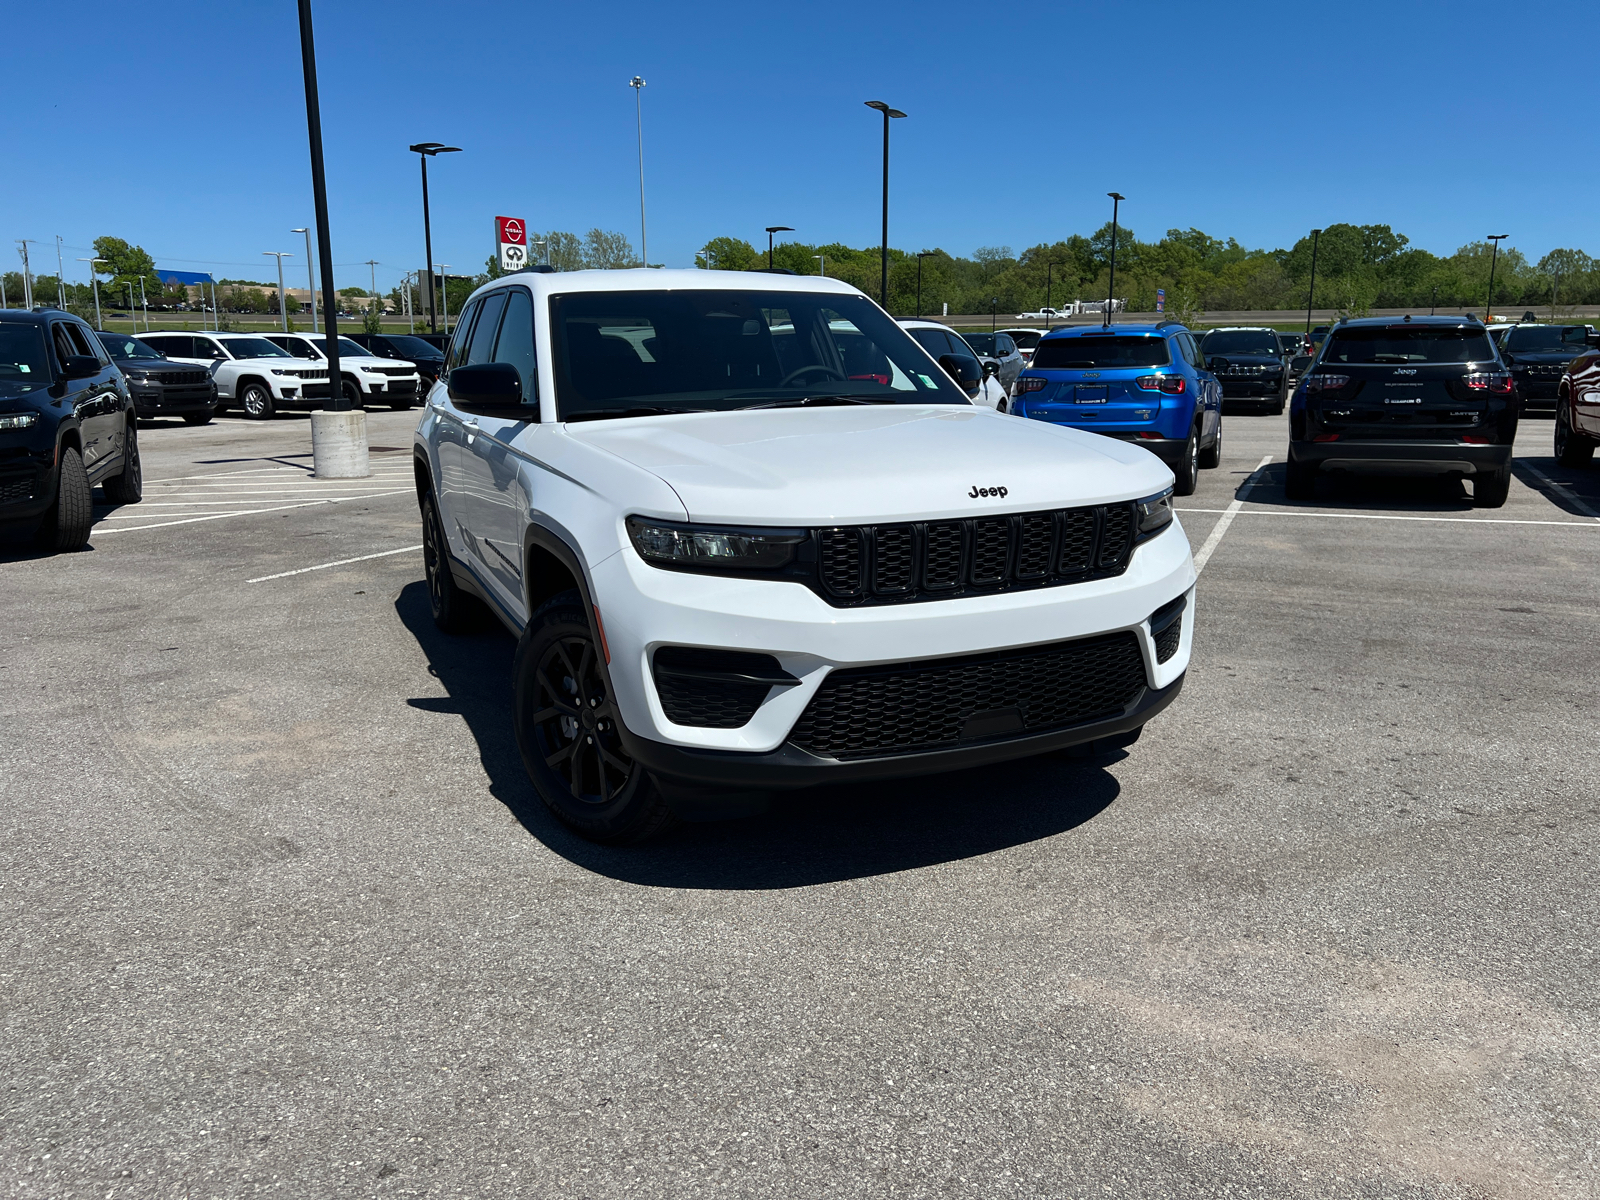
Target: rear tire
66	526
1572	448
128	487
1299	481
256	400
453	609
1490	488
1211	456
1186	471
567	730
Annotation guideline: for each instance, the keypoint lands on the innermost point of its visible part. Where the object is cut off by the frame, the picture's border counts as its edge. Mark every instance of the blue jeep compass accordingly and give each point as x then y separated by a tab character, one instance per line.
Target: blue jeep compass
1145	384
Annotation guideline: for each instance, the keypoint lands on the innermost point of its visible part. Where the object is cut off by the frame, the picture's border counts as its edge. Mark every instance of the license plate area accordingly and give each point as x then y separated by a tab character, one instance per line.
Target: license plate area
1089	393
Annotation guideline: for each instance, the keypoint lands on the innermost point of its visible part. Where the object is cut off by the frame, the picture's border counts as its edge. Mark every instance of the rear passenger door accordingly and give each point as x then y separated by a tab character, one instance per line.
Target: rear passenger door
450	440
1208	392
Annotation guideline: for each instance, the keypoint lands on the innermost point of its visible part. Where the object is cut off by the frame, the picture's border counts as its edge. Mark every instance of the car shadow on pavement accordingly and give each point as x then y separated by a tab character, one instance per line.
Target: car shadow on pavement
1342	490
820	835
1575	492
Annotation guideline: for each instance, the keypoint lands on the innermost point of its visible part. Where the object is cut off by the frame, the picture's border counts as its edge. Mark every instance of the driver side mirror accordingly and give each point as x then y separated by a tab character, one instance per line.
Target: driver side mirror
1300	362
495	386
964	371
80	366
991	369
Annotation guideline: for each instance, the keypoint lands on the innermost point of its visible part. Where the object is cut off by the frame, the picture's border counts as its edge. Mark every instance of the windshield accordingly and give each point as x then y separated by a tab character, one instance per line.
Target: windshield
1408	344
1240	341
248	347
1135	350
693	350
22	357
121	346
347	348
413	347
1531	339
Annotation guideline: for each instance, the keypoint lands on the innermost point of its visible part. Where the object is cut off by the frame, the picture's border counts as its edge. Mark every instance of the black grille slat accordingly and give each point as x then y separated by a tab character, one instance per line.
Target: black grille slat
942	561
991	551
1035	536
1116	536
1077	541
911	707
894	560
841	561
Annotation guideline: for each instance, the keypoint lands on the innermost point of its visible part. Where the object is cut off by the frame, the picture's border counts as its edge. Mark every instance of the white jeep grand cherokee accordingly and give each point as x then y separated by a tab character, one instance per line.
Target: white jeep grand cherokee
753	538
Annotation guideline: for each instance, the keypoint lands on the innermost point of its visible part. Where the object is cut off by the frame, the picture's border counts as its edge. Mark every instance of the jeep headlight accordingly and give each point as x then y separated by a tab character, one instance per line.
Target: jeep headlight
703	547
1154	513
18	420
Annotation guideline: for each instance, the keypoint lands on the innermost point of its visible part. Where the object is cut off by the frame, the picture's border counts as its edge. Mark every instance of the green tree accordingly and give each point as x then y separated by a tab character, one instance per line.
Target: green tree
606	250
729	254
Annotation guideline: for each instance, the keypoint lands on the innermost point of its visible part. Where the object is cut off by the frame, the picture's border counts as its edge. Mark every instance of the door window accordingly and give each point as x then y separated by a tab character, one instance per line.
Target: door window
481	349
61	339
515	345
933	341
91	344
206	348
458	342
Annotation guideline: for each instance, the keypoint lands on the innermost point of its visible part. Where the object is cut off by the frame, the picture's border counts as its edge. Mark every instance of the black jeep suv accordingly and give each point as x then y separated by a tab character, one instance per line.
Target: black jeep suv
66	424
1537	355
1411	395
161	387
1250	364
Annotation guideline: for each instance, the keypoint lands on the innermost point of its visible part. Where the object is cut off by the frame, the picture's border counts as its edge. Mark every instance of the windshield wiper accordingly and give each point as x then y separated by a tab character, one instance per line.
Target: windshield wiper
827	398
639	410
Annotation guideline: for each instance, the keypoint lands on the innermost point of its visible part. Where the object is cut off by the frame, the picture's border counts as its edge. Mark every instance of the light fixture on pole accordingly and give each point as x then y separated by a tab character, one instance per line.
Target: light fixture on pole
772	229
427	150
311	278
823	268
1311	292
1488	308
95	279
1111	288
921	254
637	84
283	305
887	112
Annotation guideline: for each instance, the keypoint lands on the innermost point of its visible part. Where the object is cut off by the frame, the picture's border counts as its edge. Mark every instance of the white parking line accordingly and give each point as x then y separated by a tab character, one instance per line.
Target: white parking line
1228	514
1278	512
1577	500
342	562
102	531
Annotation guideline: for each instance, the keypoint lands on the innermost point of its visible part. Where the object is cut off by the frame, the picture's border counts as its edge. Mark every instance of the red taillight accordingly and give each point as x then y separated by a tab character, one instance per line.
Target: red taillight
1495	382
1475	439
1172	385
1149	436
1325	383
1326	437
1149	383
1029	383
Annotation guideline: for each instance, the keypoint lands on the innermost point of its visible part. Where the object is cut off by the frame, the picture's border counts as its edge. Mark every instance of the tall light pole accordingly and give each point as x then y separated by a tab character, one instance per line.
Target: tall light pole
311	277
1311	294
1488	308
372	269
144	303
1433	304
994	313
95	280
772	229
427	150
887	113
133	313
444	291
637	84
27	276
921	254
1111	289
61	281
822	269
283	305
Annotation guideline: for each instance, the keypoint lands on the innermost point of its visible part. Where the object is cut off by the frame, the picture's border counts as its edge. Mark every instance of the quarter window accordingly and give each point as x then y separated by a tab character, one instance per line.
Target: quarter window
482	347
457	353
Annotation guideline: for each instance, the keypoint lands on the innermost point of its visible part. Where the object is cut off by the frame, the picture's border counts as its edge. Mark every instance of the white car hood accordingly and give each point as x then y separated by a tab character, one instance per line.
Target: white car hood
873	464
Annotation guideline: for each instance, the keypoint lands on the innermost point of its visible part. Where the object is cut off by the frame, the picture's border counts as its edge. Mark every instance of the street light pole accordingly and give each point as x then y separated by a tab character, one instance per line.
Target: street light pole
1311	293
823	259
426	150
994	313
95	280
1488	308
921	254
637	84
1048	268
444	292
372	269
133	313
1433	303
772	229
887	113
27	277
61	282
311	277
283	305
144	303
1111	289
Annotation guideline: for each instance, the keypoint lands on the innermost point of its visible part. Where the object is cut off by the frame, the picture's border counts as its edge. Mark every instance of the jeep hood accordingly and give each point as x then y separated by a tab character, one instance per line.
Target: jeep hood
873	464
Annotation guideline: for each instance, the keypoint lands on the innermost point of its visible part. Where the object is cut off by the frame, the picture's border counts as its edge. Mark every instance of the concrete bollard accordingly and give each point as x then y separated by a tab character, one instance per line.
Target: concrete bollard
339	444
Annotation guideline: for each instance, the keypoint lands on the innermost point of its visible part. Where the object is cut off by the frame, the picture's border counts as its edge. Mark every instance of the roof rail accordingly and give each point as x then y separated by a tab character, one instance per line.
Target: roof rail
1170	321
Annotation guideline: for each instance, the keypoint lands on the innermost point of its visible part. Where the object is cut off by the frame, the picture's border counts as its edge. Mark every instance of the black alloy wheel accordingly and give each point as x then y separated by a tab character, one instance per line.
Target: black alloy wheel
352	393
127	487
567	728
256	400
1186	471
452	608
1571	447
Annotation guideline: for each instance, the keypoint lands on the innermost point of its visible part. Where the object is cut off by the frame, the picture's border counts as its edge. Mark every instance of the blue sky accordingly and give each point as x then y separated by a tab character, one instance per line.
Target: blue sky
1446	121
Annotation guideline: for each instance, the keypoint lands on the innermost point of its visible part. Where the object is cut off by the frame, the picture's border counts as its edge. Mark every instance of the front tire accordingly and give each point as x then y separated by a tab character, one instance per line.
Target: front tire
567	730
1571	447
256	399
66	526
1186	471
128	487
1490	488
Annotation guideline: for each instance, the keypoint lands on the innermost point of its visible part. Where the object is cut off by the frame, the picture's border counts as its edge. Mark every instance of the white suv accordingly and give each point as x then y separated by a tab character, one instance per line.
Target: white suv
961	362
752	538
251	372
368	379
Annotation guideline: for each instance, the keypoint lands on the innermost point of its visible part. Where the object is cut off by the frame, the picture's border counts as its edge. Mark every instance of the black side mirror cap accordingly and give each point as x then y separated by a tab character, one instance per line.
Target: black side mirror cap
486	385
1300	362
80	366
991	369
966	373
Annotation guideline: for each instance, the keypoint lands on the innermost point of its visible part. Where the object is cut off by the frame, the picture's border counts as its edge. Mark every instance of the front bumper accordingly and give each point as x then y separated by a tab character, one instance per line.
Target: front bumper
1401	457
27	477
172	400
643	608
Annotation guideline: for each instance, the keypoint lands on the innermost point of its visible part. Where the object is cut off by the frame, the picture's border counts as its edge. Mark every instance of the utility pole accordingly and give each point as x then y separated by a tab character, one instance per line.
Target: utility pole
1496	239
27	276
1311	294
61	277
144	303
95	280
637	84
372	269
283	304
1111	289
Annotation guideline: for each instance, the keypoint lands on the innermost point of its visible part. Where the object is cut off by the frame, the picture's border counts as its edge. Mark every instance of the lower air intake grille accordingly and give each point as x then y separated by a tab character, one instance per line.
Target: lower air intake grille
1167	640
16	487
911	707
688	697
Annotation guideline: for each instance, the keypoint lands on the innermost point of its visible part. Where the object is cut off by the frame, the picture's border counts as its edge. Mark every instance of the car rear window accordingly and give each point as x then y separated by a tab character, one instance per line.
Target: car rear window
1124	350
983	343
1408	344
1240	341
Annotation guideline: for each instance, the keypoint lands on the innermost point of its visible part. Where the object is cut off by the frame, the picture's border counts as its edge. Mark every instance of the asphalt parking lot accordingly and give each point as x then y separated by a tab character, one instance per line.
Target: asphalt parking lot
281	914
